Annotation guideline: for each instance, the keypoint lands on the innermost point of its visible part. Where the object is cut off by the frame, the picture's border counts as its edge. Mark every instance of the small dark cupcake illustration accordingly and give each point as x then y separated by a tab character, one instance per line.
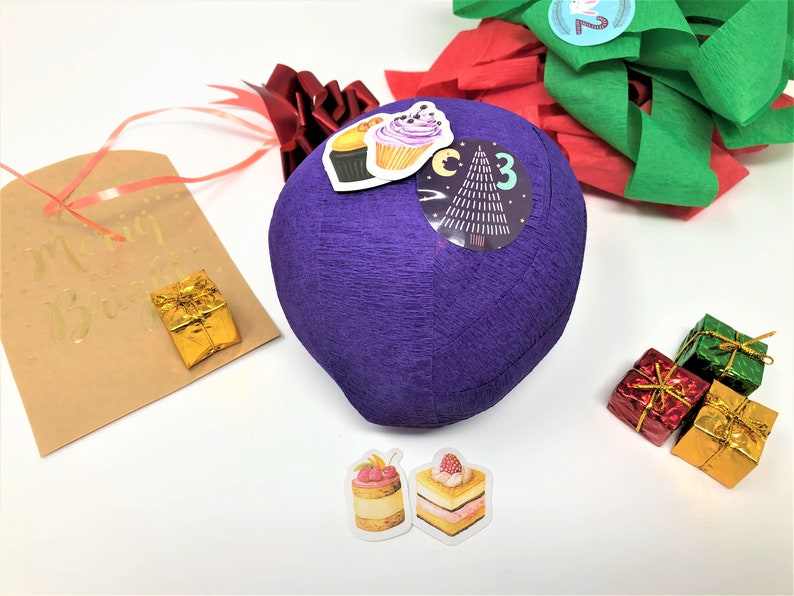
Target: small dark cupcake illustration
349	153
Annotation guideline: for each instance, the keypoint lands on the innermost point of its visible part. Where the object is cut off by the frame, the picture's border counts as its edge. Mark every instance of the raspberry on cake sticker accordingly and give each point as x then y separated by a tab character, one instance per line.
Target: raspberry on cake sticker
451	498
376	493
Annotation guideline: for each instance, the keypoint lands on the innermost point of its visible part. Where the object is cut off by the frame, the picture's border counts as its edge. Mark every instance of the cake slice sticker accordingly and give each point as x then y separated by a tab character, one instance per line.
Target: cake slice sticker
377	496
385	147
451	499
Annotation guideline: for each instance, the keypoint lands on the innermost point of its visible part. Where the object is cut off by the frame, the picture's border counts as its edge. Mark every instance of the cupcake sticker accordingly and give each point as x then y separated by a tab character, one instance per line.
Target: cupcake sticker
401	145
345	156
385	147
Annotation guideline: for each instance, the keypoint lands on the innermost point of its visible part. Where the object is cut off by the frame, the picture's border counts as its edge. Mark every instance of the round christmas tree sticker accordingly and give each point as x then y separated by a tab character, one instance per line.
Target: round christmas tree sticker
476	194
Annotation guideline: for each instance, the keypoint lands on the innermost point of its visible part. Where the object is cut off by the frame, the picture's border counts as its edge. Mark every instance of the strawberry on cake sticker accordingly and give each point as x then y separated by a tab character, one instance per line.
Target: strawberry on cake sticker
376	492
451	498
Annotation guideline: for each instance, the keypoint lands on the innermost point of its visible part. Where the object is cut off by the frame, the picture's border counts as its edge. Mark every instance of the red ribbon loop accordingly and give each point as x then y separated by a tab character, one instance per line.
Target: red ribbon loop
61	200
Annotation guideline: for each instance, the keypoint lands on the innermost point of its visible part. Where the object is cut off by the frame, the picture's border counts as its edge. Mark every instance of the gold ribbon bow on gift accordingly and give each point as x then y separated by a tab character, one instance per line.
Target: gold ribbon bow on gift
747	426
734	346
190	298
661	387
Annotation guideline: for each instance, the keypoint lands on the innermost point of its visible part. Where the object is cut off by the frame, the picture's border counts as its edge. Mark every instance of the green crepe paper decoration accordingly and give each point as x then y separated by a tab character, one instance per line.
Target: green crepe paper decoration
728	78
730	55
773	127
671	148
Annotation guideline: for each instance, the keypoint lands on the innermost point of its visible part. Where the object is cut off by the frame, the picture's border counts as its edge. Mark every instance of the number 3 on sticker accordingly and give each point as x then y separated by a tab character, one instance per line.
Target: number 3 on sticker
507	170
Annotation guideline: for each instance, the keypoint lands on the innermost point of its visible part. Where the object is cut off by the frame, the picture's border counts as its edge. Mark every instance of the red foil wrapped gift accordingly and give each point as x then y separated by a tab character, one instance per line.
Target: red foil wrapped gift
655	396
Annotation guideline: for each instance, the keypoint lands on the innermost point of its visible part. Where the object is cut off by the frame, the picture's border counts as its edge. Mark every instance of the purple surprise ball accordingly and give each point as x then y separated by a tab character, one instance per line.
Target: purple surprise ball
417	331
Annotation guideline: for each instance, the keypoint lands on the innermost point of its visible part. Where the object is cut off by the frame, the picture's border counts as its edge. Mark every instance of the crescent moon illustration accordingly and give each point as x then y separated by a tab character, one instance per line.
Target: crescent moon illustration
441	157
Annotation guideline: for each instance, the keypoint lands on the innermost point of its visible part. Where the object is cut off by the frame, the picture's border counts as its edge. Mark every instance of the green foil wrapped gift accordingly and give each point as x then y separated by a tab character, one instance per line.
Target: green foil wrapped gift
716	351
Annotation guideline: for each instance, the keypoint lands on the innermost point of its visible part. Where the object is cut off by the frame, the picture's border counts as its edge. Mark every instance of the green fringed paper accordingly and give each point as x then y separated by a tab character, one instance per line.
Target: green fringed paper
715	351
711	63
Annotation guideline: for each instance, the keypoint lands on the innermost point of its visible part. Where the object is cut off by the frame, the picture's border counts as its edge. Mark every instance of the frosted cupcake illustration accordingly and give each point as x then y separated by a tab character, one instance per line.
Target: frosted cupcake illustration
348	153
399	146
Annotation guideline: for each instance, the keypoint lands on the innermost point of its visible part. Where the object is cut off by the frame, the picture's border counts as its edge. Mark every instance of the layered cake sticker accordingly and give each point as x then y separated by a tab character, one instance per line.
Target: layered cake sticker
590	22
476	194
451	499
385	147
377	498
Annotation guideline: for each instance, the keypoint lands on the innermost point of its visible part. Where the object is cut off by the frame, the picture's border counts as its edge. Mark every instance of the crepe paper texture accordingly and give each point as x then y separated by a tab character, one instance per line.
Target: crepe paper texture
82	338
657	114
655	395
376	492
447	331
451	498
727	436
302	110
715	350
197	317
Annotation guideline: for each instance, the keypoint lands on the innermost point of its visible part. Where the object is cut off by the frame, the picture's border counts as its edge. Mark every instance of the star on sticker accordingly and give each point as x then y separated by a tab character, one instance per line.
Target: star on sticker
463	143
447	187
435	215
523	196
523	220
460	164
510	202
429	177
494	144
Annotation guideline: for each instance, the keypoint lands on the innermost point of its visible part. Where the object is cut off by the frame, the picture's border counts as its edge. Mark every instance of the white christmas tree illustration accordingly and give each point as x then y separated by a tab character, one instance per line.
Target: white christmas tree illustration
477	208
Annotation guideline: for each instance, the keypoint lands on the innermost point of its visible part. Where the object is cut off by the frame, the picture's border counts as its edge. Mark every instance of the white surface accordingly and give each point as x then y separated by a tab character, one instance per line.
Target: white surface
234	484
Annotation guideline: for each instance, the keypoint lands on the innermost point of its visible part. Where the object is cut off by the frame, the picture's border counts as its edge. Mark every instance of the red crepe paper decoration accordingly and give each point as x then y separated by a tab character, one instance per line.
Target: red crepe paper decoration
503	64
304	112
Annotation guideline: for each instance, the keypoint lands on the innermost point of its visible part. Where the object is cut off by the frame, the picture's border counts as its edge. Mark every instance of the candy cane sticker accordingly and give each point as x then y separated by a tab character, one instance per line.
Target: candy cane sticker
590	22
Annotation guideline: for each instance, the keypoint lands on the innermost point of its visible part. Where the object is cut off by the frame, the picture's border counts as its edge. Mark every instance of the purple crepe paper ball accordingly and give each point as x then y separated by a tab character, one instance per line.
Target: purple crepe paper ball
415	330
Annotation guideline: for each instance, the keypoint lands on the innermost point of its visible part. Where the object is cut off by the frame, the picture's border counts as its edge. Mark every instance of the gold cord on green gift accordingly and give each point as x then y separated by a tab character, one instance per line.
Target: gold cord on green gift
661	387
734	346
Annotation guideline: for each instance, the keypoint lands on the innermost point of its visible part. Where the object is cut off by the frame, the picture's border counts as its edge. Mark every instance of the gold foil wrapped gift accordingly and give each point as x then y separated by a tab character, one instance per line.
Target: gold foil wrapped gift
726	437
197	317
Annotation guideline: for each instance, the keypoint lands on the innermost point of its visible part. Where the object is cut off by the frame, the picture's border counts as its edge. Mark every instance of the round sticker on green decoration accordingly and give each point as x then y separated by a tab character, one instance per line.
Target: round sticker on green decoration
590	22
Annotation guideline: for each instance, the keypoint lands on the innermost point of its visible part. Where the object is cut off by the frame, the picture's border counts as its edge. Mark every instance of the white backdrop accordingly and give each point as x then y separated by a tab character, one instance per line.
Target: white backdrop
235	484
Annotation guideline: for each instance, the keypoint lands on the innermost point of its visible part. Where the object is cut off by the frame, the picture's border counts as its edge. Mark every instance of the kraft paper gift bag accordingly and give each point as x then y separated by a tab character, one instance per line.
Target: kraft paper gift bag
82	337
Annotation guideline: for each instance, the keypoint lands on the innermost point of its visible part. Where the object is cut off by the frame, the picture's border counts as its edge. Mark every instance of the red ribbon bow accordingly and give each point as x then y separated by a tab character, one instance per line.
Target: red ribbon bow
303	111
